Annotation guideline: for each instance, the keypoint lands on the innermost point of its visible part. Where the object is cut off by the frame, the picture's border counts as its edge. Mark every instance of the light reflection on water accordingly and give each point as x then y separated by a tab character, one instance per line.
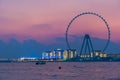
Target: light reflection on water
69	71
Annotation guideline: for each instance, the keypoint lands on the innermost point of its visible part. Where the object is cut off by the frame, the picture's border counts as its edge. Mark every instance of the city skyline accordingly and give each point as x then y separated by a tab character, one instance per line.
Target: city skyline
31	26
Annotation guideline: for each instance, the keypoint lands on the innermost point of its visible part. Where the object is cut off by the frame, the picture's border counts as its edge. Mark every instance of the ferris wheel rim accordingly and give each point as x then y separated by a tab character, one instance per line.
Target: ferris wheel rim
95	14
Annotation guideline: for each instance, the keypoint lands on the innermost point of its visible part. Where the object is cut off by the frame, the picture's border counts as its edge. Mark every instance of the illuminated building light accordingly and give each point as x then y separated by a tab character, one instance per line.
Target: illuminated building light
101	55
27	58
88	55
97	54
104	55
64	59
91	55
59	54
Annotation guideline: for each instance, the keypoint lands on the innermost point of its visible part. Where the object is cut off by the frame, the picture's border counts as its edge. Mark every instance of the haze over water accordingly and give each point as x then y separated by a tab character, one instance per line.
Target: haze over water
69	71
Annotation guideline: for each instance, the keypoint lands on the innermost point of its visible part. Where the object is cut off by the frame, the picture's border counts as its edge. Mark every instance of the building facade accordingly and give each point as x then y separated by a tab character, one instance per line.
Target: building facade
97	53
59	54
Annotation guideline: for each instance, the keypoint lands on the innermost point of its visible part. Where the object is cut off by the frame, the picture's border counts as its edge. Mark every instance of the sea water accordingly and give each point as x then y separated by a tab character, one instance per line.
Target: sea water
68	71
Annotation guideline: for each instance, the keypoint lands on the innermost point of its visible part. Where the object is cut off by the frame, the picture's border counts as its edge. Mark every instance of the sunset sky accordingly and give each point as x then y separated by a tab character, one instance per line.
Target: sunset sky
44	20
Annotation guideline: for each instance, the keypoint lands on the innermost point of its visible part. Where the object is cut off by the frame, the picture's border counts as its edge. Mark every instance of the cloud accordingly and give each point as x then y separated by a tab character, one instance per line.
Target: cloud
20	38
32	48
15	49
42	26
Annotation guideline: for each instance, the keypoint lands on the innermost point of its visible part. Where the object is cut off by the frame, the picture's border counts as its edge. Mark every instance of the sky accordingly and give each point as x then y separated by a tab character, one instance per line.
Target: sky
27	22
44	20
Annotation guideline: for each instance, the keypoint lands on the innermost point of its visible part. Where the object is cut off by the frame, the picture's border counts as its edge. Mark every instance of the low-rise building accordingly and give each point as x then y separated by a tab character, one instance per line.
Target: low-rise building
97	53
114	56
27	59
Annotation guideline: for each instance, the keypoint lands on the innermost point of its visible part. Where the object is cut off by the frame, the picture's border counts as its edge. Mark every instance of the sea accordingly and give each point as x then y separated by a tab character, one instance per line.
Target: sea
60	71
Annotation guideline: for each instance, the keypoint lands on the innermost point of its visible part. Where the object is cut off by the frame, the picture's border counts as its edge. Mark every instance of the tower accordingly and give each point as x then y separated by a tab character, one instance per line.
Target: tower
87	47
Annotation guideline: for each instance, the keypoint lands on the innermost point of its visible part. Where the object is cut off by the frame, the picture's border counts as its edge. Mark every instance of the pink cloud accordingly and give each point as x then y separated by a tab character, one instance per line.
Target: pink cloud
45	20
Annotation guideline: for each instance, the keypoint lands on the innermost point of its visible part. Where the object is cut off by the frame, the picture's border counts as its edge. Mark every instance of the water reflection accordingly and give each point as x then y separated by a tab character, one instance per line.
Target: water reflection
68	71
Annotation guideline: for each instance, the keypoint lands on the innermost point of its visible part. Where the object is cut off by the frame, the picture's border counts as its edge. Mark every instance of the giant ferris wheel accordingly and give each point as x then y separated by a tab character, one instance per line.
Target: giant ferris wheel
87	37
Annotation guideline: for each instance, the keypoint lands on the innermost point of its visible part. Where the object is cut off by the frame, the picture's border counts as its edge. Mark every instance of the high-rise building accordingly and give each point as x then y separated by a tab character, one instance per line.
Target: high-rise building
59	54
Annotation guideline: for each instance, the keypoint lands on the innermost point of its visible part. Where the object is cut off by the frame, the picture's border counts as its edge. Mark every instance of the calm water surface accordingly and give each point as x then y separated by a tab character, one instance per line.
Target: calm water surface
69	71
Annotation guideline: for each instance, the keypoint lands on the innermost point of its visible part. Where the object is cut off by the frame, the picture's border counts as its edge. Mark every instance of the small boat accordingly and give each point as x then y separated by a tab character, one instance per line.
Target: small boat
40	62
